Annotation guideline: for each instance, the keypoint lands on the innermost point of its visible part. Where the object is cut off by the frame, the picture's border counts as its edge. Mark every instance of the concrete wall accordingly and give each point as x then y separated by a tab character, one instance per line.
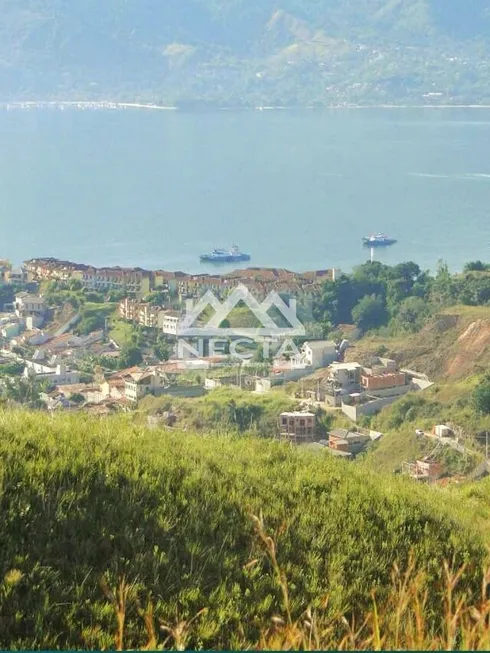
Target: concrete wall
355	412
383	381
291	375
397	391
183	391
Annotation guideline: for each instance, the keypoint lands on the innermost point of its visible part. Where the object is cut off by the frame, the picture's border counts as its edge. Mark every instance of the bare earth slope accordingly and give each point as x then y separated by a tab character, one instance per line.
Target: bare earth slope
453	345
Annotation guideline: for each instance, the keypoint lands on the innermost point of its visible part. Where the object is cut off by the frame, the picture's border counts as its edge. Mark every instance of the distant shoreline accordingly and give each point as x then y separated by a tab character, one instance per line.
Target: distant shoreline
110	105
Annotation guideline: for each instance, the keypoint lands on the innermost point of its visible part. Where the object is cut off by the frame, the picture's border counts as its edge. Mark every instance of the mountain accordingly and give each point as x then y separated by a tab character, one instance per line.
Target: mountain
246	52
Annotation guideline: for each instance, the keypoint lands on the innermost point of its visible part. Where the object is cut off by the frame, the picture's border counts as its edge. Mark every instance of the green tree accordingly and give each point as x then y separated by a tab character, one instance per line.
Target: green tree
116	295
411	314
157	298
162	349
130	356
443	286
91	323
481	397
259	356
7	295
370	313
475	266
11	369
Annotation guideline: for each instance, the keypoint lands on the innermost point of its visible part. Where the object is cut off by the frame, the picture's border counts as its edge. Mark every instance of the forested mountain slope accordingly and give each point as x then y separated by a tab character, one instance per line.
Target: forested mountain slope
244	52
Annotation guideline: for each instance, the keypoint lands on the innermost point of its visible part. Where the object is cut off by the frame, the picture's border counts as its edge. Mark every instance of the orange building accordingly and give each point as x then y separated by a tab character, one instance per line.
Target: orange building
383	381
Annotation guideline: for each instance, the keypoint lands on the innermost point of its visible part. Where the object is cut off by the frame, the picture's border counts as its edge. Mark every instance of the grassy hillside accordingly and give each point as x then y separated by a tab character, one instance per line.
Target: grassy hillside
225	410
213	50
115	536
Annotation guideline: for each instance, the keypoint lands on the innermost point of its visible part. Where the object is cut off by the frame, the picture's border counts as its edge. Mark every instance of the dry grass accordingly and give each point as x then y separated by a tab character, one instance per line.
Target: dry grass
403	621
399	623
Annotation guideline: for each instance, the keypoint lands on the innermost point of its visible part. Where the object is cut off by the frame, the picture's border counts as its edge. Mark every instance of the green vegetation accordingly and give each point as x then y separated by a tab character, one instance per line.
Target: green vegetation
481	396
117	537
93	317
11	369
225	410
123	333
210	53
7	294
422	411
20	390
401	297
130	356
370	313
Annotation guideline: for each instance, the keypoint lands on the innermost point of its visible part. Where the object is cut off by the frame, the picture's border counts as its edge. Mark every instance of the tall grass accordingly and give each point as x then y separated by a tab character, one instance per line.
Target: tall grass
113	536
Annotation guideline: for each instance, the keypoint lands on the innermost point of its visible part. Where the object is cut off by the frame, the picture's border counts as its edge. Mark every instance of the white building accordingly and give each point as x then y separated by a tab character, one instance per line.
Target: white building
29	305
169	322
140	384
55	375
316	353
18	276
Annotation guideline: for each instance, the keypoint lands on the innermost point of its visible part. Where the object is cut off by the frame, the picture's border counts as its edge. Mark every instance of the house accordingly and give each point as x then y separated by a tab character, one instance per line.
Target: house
378	365
169	322
166	280
17	276
69	390
29	305
144	382
365	390
442	431
55	400
383	381
351	442
54	375
5	268
113	388
344	378
32	338
427	469
318	353
297	426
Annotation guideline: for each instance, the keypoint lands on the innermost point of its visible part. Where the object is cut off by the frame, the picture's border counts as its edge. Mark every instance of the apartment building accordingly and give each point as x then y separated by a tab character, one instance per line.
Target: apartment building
140	383
145	314
27	305
297	426
169	322
135	281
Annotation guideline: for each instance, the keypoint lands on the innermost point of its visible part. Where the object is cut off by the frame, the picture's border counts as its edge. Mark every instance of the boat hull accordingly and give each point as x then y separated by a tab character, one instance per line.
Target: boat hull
208	258
385	243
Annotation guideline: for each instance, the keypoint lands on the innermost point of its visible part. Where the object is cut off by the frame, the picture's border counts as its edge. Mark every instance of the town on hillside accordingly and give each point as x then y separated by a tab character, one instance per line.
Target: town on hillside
106	340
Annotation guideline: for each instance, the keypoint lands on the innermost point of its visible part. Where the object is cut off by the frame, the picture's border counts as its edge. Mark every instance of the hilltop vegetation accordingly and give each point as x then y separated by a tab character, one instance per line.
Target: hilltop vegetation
246	52
114	536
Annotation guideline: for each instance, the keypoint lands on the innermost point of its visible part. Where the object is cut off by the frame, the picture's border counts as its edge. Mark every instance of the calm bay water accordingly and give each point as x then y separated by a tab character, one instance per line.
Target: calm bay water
296	190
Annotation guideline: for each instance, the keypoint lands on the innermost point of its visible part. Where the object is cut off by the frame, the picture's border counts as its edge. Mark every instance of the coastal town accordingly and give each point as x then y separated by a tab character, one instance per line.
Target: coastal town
100	340
107	341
